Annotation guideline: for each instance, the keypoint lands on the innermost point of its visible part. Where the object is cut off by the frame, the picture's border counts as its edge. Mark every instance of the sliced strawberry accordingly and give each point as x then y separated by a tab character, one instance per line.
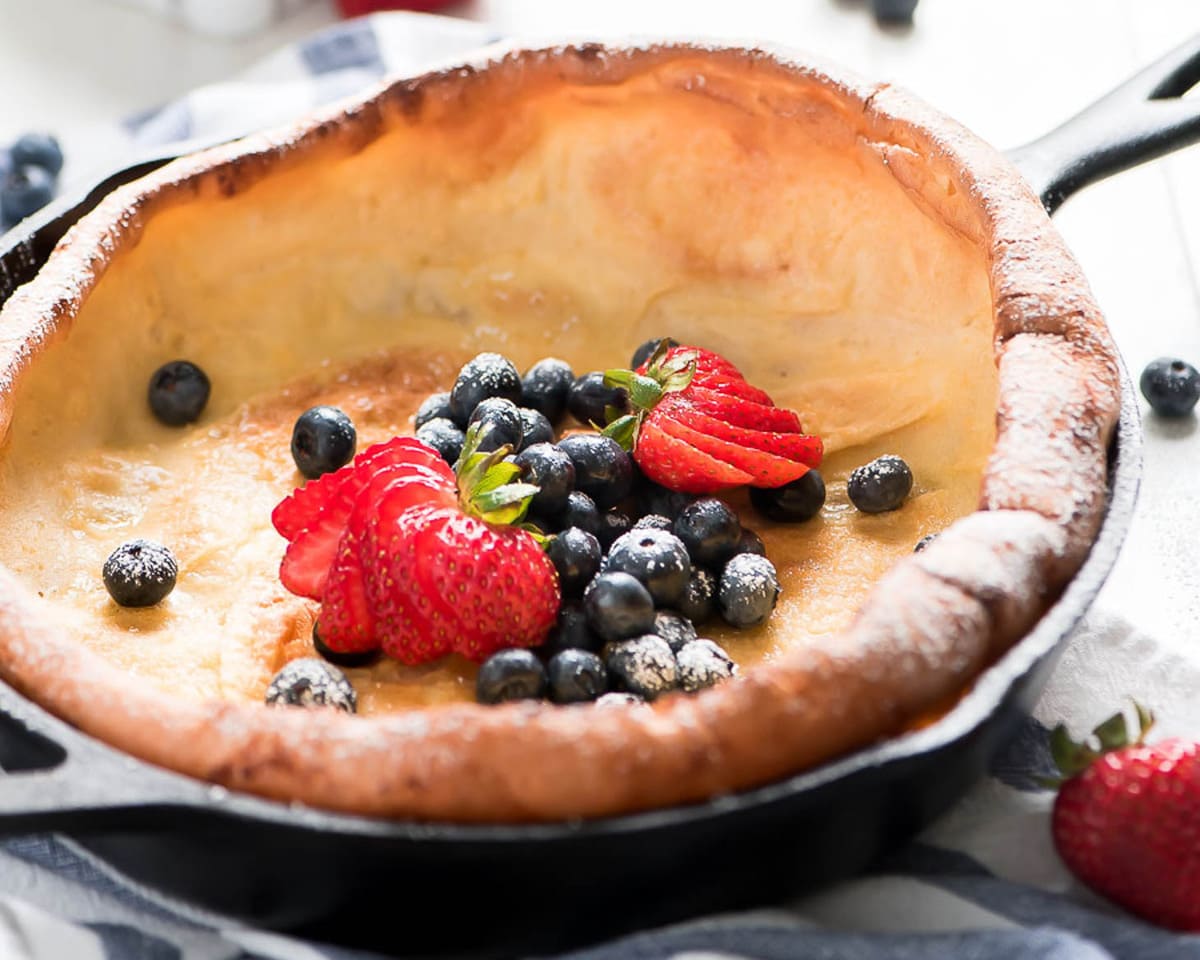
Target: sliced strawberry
798	447
765	469
411	628
346	622
302	508
498	583
733	387
743	413
307	560
677	465
707	363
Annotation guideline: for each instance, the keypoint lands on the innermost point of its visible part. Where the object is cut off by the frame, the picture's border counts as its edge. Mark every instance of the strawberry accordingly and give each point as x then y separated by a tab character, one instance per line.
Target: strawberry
699	427
313	517
405	556
1127	821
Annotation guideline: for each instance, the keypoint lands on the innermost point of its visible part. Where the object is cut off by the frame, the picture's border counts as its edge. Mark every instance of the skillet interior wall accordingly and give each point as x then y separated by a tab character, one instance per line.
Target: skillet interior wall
572	220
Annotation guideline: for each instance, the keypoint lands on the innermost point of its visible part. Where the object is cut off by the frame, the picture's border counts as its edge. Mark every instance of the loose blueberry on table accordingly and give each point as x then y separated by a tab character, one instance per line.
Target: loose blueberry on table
1171	386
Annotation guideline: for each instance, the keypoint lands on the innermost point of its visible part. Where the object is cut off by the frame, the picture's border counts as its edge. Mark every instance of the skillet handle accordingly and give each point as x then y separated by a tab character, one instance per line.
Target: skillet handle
57	778
1142	119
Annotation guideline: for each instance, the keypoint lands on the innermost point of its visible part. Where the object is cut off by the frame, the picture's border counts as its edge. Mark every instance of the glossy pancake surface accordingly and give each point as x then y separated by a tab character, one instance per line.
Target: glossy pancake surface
766	213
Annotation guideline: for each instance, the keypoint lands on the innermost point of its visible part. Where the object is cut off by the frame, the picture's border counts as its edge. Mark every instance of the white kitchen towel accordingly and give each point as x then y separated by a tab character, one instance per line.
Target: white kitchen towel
982	883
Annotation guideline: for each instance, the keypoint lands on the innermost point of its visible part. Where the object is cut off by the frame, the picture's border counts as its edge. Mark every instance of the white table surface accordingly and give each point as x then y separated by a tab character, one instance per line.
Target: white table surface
1010	69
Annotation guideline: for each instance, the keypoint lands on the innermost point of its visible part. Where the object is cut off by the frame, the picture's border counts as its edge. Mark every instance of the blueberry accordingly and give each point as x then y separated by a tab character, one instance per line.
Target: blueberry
510	675
898	12
487	375
580	512
38	150
362	659
309	682
576	676
675	629
178	392
1172	386
323	440
924	542
589	399
444	437
794	502
659	560
618	606
646	350
545	387
499	424
750	542
25	190
602	469
663	502
644	666
699	599
710	531
881	485
552	471
654	521
701	664
571	632
535	428
748	590
613	524
436	406
576	555
140	573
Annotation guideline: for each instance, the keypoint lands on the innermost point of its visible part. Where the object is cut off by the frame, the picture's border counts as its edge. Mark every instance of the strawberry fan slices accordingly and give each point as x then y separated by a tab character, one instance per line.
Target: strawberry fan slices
405	559
699	427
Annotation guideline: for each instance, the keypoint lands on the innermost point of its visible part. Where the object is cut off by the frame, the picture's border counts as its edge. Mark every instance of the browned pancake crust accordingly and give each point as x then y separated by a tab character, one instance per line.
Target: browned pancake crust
929	627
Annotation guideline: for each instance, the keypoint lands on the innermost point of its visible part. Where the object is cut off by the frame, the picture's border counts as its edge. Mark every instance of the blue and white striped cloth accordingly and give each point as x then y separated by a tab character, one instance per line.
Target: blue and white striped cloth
983	883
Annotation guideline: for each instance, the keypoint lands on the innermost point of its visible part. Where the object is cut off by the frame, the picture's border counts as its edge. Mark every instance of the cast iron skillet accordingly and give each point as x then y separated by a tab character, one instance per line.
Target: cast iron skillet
405	888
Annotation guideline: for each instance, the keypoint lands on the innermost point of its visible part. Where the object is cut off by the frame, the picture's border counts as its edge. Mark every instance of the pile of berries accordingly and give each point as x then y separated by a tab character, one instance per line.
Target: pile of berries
29	171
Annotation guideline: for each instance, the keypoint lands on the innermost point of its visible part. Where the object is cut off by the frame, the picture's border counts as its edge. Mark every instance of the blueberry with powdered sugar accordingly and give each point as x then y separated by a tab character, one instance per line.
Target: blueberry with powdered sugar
654	521
309	682
434	407
748	591
545	387
140	573
710	530
675	629
699	599
881	485
644	665
658	559
481	378
703	663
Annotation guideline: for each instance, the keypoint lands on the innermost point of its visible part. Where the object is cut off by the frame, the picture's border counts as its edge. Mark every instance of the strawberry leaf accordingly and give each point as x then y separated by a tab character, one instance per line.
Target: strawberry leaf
619	378
1113	733
501	497
624	430
1070	756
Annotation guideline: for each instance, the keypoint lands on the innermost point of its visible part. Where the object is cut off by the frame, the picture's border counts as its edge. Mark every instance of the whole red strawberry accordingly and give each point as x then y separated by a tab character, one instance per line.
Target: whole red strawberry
1127	822
699	427
405	556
